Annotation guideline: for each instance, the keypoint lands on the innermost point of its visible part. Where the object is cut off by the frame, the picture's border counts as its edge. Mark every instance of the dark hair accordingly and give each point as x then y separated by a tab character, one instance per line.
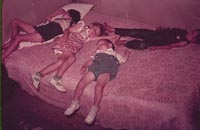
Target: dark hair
75	15
197	38
101	27
109	41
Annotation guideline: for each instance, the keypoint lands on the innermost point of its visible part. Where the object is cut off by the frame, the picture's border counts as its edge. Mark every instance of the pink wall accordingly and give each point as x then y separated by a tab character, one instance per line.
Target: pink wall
166	13
32	11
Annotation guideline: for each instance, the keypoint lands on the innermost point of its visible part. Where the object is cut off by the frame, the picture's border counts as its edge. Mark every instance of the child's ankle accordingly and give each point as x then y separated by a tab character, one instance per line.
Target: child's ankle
95	107
39	74
57	77
75	102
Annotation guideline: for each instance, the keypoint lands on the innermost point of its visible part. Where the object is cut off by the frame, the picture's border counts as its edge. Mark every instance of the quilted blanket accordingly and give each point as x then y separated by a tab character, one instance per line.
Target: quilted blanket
154	90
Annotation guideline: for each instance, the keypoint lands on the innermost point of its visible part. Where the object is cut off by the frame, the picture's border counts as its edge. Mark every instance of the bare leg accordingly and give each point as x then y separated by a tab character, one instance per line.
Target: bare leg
6	45
34	37
102	80
15	29
61	65
48	69
67	63
88	78
19	24
54	66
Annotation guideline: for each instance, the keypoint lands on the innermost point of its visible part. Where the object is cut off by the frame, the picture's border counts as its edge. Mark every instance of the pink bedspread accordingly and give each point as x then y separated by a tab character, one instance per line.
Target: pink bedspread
154	90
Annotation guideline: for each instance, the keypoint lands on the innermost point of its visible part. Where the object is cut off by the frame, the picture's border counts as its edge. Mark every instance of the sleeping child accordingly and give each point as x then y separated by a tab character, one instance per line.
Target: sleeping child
39	33
65	48
102	68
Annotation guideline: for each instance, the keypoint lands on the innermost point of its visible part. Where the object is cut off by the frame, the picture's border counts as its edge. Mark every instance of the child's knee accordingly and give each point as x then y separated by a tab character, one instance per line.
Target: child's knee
60	62
18	38
72	59
68	59
103	79
100	86
15	21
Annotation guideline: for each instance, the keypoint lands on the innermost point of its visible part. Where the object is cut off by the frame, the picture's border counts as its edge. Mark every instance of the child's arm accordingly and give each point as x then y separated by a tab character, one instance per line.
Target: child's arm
66	33
85	66
63	37
59	41
113	38
126	55
174	45
77	27
70	30
57	12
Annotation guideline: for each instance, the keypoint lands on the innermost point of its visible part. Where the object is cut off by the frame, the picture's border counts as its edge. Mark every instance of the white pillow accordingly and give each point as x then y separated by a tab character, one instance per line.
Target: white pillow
81	7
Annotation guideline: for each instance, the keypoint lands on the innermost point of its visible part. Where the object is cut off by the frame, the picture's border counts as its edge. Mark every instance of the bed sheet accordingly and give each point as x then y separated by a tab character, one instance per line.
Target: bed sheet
153	90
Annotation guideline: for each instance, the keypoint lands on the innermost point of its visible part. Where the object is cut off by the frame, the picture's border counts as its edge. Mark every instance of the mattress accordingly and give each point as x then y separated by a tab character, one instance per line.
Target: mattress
154	90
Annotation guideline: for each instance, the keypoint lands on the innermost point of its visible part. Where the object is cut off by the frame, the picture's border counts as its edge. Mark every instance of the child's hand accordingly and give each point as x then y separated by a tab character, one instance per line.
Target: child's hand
83	70
126	55
56	39
127	52
49	19
120	42
59	42
152	48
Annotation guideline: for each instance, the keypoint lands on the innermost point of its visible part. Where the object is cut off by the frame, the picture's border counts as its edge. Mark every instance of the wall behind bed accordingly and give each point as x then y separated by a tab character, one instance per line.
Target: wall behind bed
166	13
32	11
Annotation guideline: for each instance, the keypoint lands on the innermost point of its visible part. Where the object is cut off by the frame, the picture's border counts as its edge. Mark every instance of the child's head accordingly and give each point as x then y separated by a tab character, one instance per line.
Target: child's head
194	36
96	29
74	15
103	44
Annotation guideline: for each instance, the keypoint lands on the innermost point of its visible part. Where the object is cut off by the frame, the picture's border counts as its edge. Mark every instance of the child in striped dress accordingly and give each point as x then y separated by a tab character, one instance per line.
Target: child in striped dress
65	48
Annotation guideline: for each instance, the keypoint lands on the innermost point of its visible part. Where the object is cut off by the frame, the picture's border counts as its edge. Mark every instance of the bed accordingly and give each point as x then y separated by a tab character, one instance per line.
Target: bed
154	90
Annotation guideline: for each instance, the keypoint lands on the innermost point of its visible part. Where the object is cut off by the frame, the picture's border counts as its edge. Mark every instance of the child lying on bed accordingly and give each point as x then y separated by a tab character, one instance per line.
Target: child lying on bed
101	68
41	33
161	38
65	48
